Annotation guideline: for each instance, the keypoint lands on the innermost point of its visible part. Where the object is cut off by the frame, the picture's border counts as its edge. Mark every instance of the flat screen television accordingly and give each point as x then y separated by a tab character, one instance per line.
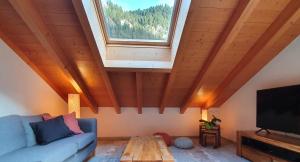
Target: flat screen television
279	109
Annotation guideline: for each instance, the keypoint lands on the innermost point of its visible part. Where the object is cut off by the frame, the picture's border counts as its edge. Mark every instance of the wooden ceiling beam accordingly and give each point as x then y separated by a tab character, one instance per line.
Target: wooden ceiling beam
81	14
139	91
30	15
178	59
231	30
283	22
167	90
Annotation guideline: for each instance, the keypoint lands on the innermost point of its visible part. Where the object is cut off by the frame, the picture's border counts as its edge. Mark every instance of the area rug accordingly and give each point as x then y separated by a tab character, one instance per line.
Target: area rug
111	152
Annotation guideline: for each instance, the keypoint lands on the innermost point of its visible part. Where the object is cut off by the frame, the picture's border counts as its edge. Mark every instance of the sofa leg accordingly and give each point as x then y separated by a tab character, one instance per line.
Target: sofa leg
90	156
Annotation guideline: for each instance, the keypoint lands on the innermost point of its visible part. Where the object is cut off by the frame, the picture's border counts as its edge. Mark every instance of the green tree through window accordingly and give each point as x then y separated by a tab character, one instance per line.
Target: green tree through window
152	23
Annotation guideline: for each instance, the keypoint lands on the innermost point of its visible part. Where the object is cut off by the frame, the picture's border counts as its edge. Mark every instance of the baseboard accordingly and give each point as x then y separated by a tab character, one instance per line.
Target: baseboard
223	138
113	138
185	136
128	137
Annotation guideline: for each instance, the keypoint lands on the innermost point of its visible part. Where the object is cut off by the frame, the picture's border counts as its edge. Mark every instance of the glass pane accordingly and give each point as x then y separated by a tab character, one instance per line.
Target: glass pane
138	20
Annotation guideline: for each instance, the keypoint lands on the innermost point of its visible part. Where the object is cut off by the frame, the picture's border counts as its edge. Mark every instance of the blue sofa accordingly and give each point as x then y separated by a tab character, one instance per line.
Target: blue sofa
17	142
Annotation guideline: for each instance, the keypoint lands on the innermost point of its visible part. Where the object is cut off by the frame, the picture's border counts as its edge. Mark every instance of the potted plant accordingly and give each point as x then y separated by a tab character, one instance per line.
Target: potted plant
212	123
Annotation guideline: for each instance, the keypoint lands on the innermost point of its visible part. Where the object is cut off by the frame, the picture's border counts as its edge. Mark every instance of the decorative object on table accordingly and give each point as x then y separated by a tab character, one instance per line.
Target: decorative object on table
183	143
212	123
166	137
210	129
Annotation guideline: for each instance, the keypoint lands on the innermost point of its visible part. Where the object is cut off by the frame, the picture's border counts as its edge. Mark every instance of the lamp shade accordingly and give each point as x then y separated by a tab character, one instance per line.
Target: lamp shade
204	114
74	104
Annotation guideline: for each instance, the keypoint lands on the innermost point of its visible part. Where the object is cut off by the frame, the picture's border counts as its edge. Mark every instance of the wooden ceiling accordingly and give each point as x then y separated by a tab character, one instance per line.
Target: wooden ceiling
224	43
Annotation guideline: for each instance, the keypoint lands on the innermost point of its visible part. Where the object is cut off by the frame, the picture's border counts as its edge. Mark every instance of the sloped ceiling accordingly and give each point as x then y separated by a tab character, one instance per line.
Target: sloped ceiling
224	44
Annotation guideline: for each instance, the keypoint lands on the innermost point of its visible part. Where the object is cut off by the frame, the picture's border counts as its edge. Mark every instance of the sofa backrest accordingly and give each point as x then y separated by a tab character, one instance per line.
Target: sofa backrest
12	134
30	137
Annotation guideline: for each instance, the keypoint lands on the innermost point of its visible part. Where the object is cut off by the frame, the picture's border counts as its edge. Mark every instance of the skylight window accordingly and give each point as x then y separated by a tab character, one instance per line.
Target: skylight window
138	22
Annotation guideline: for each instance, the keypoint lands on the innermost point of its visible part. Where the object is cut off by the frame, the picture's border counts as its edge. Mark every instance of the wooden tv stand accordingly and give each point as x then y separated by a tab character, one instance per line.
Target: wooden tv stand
267	147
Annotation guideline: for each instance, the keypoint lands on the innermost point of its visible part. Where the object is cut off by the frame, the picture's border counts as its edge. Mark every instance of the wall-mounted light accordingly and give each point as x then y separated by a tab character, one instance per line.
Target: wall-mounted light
74	104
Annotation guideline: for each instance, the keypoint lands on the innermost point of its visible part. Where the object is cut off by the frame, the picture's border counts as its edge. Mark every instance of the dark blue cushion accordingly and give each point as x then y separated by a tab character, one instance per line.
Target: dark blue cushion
50	130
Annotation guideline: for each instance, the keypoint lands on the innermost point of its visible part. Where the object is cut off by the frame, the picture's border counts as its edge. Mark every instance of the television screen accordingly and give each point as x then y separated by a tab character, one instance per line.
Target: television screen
279	109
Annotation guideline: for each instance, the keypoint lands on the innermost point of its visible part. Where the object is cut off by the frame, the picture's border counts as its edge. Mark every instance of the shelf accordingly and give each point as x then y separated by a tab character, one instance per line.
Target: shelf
267	147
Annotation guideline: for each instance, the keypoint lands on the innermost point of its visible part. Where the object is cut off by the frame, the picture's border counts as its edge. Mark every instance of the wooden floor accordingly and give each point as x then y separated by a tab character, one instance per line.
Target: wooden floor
226	153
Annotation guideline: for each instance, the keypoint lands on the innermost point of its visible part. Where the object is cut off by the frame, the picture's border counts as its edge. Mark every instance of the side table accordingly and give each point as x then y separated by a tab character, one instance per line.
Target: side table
204	133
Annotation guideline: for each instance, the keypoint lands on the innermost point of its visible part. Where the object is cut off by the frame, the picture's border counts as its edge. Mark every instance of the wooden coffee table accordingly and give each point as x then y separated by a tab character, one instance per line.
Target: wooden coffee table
146	149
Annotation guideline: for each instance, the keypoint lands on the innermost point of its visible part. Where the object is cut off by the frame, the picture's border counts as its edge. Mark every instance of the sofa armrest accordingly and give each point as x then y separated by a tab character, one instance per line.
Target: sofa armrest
88	125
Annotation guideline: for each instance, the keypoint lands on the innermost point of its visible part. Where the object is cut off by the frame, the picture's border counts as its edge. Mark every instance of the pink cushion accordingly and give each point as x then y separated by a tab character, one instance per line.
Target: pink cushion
166	137
69	119
72	123
46	116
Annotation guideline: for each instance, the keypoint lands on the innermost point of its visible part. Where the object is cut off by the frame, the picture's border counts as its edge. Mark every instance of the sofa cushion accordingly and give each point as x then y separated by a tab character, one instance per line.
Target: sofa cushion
57	151
81	140
50	130
72	123
88	125
82	155
30	137
12	134
69	119
46	116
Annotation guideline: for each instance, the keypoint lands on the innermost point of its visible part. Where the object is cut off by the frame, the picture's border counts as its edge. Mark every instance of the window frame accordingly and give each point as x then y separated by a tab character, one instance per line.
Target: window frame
113	41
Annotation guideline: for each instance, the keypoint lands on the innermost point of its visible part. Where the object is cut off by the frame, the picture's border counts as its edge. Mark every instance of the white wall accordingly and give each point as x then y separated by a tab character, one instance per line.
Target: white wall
22	91
130	123
239	112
